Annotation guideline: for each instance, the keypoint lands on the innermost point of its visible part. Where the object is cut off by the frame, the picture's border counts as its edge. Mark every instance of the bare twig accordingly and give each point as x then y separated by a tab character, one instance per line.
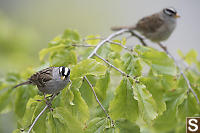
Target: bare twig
123	73
94	52
83	45
139	37
181	72
107	115
107	39
92	38
123	46
111	42
36	119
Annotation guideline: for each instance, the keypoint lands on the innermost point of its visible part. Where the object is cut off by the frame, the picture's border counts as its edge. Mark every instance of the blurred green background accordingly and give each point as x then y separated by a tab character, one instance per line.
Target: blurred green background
26	26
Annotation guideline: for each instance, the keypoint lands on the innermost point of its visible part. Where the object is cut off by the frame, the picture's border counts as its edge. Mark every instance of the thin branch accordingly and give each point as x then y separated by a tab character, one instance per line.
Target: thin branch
107	39
139	37
111	42
83	45
94	52
107	115
181	72
123	46
36	119
123	73
92	38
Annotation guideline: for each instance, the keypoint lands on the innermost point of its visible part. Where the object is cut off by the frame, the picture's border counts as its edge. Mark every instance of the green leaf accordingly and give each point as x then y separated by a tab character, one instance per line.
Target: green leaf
75	103
70	123
191	56
158	61
76	84
188	108
86	93
80	108
54	125
180	53
40	125
117	48
105	51
45	51
96	125
71	35
146	103
198	65
24	92
168	82
33	108
56	41
93	39
168	120
67	94
155	87
131	65
124	105
102	85
12	78
63	58
87	67
5	99
126	126
17	131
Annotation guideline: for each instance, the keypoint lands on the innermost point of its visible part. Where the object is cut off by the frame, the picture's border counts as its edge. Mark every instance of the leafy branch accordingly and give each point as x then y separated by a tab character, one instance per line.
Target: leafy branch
156	103
181	72
171	56
94	53
123	73
112	123
47	106
106	40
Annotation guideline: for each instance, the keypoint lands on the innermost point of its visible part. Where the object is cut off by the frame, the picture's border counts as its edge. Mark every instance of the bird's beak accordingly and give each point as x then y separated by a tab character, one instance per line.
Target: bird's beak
177	16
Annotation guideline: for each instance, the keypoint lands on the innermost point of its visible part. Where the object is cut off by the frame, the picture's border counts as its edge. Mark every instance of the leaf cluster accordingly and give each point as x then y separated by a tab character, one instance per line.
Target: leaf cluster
152	99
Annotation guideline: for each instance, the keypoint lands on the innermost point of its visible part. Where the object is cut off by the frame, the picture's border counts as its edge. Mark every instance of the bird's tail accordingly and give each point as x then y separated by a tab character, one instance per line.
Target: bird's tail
116	28
24	83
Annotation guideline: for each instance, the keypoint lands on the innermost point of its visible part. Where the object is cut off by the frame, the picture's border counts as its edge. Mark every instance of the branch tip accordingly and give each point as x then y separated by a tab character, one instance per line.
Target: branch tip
181	72
107	115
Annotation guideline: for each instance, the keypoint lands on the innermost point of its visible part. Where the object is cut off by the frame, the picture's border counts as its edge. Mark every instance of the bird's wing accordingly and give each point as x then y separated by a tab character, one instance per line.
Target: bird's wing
41	77
150	24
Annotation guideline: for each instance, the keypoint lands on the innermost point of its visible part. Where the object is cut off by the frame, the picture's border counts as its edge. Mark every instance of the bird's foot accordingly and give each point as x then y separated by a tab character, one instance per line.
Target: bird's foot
48	103
49	96
162	46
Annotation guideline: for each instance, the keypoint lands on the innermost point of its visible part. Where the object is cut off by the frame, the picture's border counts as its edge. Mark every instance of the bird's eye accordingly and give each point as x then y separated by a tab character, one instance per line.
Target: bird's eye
170	11
62	70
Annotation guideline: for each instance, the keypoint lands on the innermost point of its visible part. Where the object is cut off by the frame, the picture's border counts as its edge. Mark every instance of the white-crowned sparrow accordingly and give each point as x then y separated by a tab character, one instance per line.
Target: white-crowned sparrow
50	80
157	27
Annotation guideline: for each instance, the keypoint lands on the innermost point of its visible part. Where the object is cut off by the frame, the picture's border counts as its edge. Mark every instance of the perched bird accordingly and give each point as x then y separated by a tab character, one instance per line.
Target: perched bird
156	27
50	80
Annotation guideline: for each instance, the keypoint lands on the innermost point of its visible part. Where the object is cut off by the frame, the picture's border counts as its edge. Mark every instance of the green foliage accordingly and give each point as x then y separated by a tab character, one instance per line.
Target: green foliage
87	67
158	61
128	108
152	99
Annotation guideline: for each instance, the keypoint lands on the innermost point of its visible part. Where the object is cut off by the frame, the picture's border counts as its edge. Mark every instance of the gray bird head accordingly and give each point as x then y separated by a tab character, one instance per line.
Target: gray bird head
64	72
